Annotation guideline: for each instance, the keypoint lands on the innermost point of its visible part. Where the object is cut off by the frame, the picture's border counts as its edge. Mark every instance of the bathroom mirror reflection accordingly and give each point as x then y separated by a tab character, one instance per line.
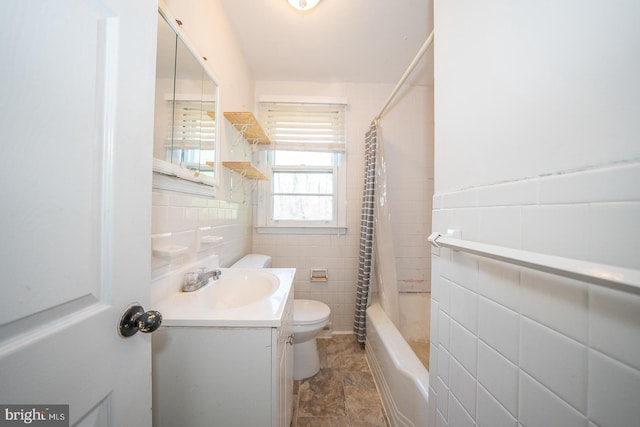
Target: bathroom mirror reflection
185	123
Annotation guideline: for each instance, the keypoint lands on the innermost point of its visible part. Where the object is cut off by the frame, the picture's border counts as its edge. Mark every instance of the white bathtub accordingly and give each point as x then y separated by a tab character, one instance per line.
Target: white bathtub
401	378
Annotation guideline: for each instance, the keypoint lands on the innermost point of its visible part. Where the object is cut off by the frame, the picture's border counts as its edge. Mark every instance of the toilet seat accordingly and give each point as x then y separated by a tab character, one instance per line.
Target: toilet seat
307	312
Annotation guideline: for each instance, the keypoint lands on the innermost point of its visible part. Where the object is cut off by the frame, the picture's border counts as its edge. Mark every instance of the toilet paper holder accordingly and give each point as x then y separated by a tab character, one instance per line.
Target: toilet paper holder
319	275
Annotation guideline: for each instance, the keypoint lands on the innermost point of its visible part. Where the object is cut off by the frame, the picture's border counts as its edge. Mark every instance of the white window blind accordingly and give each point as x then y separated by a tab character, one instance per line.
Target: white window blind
304	126
191	134
193	125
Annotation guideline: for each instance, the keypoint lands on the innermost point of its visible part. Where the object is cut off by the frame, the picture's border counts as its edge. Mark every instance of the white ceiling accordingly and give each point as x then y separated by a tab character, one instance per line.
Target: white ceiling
362	41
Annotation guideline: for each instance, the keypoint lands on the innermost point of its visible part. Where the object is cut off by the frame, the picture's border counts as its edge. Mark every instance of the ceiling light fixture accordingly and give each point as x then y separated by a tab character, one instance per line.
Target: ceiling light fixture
304	5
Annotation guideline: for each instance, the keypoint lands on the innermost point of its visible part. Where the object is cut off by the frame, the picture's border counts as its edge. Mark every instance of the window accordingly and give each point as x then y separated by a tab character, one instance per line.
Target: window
303	186
306	166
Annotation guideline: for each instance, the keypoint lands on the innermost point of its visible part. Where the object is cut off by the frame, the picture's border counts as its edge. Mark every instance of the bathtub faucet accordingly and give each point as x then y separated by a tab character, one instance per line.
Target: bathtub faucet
194	280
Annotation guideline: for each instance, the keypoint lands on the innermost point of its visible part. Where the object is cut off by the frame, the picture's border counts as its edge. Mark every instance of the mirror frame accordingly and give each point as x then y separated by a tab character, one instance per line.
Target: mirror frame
161	179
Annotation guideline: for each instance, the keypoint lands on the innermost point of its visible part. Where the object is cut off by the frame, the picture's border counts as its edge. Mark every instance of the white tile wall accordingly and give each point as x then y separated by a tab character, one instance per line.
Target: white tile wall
491	413
613	392
463	387
539	407
338	254
499	377
444	291
556	230
458	416
501	226
433	320
465	309
607	184
440	420
613	228
443	402
464	347
466	272
555	360
499	327
499	282
556	302
520	193
614	320
536	349
443	329
177	219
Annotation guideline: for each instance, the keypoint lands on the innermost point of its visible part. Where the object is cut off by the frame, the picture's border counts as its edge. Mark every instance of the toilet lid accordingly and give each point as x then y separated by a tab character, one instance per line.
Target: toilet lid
253	261
308	311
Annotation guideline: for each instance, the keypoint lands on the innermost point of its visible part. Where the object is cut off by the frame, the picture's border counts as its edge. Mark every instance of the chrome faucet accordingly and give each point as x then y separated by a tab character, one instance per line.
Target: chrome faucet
194	280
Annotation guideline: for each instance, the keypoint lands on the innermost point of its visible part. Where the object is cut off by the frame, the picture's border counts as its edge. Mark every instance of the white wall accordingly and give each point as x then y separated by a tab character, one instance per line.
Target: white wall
229	213
548	87
536	147
408	142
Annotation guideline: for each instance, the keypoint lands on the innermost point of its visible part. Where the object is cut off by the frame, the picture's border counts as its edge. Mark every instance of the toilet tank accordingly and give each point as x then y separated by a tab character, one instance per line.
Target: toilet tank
253	261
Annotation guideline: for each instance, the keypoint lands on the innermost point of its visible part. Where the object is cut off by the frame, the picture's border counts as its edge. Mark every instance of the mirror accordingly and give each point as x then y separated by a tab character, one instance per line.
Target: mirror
185	124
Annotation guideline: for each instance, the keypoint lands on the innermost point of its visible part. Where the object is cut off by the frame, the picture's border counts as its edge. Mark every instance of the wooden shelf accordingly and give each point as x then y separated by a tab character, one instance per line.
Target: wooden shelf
248	126
246	169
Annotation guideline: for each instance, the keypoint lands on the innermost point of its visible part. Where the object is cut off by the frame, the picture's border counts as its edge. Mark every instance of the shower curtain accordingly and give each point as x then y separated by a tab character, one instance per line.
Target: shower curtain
377	263
366	233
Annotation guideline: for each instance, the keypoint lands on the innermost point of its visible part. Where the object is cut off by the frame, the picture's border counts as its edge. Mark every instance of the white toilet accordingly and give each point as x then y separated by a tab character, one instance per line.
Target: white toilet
253	261
309	317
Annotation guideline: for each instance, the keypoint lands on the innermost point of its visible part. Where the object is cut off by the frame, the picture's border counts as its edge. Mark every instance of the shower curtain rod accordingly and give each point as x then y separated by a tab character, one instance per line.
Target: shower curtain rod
404	77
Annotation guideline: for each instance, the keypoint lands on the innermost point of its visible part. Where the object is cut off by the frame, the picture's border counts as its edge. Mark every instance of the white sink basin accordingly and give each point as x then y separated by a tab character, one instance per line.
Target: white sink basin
240	297
236	290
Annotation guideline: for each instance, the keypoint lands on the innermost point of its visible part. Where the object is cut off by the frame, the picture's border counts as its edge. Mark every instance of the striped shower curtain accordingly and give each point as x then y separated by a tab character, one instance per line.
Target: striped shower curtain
365	264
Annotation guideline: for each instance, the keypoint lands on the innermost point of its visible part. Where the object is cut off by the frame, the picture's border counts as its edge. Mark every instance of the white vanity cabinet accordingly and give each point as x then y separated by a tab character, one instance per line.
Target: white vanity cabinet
224	376
284	367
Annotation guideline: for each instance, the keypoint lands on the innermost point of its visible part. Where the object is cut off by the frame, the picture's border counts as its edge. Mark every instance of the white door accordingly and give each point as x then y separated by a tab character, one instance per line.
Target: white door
76	123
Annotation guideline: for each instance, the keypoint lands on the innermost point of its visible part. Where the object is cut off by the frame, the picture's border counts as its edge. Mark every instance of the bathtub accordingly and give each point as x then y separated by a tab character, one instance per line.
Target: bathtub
402	380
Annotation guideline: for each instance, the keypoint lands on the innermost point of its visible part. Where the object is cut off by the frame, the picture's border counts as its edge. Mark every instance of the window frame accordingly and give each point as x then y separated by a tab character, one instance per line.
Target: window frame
264	218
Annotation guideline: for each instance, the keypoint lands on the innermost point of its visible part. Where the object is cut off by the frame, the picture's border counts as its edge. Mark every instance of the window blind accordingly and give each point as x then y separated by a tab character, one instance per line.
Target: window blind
304	126
193	125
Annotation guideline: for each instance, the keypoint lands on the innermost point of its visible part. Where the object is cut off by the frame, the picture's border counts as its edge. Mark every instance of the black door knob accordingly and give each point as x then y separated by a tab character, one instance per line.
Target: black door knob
136	319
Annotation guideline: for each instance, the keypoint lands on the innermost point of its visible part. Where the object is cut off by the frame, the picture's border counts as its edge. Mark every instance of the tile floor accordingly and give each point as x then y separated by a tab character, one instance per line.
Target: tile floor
343	393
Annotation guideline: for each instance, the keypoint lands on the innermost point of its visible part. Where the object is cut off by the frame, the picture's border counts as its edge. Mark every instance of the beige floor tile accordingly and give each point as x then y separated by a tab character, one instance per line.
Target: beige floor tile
343	393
